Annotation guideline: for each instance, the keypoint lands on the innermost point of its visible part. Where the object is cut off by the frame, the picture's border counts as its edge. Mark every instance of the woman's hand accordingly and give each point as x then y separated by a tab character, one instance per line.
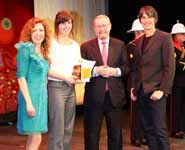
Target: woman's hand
70	80
79	81
30	110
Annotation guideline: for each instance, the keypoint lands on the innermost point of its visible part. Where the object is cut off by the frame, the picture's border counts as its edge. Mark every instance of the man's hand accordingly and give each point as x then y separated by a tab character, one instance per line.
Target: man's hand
132	96
102	70
112	71
157	95
106	71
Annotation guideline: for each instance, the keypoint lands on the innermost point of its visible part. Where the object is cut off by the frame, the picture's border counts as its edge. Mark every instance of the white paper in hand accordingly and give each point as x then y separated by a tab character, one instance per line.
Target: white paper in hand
86	69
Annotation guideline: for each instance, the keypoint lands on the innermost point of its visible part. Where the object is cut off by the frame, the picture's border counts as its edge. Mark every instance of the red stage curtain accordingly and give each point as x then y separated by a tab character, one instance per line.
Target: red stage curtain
13	15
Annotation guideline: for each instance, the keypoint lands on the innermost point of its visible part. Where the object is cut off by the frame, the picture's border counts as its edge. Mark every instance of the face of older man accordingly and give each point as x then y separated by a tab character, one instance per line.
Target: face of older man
102	27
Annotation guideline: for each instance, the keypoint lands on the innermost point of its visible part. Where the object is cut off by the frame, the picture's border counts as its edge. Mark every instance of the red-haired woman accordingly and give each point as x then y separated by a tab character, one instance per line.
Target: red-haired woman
32	70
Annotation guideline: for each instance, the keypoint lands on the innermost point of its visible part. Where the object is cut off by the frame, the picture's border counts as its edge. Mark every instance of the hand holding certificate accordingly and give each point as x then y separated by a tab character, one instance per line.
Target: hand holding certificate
84	69
77	71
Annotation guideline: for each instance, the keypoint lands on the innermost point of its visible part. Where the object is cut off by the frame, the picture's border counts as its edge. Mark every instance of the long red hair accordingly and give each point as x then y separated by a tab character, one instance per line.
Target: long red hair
27	31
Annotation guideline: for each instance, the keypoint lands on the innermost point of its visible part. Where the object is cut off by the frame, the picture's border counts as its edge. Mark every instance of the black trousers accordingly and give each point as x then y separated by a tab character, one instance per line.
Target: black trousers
178	109
135	123
93	120
153	119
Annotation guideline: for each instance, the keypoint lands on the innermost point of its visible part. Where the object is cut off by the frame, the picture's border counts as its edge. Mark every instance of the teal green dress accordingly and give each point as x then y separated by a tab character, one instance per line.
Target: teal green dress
35	70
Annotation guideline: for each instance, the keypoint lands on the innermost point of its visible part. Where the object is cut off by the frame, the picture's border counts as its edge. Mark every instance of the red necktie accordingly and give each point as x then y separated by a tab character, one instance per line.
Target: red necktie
104	52
104	57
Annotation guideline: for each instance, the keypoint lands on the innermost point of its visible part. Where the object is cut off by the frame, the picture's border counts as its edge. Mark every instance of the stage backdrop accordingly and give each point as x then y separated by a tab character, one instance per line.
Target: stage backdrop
13	15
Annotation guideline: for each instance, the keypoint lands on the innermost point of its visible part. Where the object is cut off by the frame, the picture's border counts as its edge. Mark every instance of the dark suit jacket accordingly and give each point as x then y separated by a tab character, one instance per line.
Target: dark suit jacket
155	65
95	89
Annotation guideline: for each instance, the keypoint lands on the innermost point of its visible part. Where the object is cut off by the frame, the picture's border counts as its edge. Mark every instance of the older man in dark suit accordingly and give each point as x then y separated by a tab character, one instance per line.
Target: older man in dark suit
104	94
152	78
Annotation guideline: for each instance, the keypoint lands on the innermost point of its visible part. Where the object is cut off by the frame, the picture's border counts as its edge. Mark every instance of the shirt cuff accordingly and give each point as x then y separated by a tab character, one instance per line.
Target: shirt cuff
95	74
118	72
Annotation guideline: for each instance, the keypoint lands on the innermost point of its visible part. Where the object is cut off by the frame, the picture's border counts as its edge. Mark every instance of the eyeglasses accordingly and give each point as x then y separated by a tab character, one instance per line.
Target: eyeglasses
102	26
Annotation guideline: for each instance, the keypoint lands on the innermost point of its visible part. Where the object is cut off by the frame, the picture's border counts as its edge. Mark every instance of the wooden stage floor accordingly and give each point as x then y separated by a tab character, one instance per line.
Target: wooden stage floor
10	140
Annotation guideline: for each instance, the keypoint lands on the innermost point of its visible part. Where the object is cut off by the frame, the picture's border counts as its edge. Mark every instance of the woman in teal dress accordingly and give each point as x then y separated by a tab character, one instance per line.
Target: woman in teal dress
32	71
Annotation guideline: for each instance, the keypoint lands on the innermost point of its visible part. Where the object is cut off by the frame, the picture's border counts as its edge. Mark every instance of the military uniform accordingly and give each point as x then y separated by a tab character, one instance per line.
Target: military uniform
178	96
136	135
